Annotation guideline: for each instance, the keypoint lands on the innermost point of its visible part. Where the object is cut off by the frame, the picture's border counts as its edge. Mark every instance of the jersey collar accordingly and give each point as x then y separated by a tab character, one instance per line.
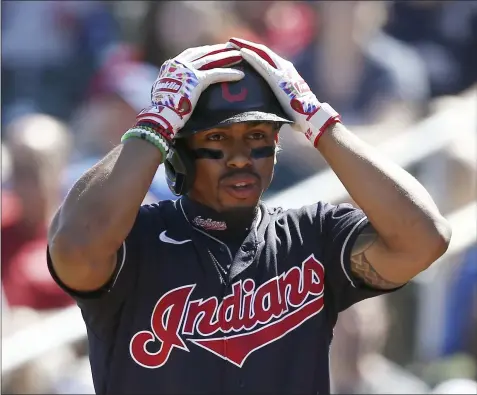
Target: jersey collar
253	240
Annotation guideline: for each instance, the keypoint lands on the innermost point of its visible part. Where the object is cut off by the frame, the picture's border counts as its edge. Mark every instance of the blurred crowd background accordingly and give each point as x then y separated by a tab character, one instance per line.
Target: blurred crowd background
75	73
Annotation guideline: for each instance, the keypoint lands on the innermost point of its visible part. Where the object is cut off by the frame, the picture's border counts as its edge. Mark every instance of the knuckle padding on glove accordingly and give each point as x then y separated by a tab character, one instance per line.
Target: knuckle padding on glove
214	53
220	59
199	52
221	63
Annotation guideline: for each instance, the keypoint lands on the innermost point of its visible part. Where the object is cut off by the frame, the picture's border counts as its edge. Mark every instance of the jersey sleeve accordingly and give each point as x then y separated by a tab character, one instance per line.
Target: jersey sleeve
99	307
340	226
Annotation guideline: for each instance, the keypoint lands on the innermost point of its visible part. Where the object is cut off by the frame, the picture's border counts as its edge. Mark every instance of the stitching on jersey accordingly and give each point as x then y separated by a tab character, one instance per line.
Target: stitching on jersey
122	264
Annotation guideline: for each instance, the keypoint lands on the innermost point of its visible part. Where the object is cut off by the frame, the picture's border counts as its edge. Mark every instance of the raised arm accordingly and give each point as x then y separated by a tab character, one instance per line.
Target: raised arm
98	213
100	210
407	232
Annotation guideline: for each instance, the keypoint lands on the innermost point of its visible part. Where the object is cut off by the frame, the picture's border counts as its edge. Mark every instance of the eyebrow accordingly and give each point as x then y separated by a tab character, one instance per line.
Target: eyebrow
220	128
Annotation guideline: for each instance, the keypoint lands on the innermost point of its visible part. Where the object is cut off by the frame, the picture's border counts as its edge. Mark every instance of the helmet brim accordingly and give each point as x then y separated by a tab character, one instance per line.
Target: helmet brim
248	116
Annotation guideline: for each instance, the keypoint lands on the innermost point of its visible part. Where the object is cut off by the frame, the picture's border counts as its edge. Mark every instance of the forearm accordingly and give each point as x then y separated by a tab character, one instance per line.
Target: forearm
397	205
101	207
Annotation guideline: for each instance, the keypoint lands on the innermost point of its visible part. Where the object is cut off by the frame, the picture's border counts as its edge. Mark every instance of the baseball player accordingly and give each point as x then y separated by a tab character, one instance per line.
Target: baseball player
215	292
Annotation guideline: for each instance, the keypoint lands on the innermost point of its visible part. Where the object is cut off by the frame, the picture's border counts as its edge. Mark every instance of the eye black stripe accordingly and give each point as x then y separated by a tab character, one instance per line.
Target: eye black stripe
255	153
262	152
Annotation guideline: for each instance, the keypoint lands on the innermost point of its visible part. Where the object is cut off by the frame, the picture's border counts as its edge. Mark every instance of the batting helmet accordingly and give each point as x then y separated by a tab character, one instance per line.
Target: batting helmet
250	99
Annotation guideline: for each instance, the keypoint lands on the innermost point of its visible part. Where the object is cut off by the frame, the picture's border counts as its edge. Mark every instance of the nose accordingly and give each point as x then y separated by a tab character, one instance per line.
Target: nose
239	157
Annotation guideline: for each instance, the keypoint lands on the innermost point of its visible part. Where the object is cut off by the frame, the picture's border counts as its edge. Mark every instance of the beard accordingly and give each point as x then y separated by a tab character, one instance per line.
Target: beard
239	217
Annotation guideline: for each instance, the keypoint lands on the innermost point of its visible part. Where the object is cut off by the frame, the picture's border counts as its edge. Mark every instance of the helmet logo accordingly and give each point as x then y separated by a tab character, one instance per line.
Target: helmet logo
230	97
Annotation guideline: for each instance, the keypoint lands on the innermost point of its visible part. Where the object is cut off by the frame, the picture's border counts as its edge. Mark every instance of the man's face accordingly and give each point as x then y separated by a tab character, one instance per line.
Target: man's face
239	178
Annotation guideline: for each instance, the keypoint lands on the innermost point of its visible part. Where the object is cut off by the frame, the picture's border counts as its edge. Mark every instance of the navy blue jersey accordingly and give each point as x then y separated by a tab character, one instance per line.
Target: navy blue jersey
172	321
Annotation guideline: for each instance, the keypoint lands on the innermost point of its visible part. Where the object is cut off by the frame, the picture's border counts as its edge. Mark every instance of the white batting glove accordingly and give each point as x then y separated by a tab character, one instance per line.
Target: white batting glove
311	117
181	81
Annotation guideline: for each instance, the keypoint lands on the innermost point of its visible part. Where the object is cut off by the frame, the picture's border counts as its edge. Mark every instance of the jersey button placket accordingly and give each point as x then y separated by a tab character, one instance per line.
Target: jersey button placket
225	290
224	337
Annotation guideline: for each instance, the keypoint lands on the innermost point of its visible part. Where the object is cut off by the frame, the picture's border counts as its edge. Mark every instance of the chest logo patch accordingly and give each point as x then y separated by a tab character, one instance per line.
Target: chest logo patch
209	224
243	322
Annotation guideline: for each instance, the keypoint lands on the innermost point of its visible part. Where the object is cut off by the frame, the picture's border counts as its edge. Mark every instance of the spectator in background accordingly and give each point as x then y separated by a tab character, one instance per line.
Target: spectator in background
342	53
445	34
49	51
372	78
288	27
39	146
357	364
169	27
159	22
118	92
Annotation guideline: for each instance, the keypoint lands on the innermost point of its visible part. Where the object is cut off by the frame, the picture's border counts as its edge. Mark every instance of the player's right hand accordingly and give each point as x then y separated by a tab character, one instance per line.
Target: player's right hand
181	81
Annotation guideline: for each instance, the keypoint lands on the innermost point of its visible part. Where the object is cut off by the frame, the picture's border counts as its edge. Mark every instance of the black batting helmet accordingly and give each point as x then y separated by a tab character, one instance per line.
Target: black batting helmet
250	99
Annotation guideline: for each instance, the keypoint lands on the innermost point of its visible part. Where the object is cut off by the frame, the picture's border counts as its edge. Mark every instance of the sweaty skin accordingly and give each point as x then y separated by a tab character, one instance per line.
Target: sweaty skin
98	213
215	177
360	264
100	209
412	233
407	234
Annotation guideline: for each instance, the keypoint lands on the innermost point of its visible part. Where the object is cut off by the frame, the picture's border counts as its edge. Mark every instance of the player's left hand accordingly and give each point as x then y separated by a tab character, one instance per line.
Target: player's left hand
182	80
311	117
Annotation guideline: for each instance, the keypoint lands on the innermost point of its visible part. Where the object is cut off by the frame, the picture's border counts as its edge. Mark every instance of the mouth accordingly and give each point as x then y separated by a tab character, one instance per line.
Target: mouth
244	187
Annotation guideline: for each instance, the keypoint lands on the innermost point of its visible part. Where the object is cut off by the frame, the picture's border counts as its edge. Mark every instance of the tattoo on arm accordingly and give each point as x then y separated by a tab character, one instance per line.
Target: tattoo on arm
360	265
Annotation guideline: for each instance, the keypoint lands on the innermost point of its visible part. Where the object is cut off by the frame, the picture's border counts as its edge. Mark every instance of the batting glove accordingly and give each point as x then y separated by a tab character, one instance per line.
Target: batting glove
311	117
181	81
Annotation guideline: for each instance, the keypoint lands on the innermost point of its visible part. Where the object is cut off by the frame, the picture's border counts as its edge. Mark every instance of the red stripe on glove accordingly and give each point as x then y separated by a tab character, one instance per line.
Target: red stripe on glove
260	52
227	62
156	119
215	52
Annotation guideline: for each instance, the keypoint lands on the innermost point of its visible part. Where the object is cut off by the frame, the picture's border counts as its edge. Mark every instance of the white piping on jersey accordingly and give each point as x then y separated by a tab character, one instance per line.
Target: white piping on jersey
218	268
344	248
122	263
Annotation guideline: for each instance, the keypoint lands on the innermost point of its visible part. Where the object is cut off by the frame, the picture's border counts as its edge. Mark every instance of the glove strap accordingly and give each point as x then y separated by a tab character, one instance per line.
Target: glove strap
164	120
321	119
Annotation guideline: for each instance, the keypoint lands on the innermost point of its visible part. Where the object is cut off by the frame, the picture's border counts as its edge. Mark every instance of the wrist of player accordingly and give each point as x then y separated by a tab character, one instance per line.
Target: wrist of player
164	121
148	135
313	126
156	125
